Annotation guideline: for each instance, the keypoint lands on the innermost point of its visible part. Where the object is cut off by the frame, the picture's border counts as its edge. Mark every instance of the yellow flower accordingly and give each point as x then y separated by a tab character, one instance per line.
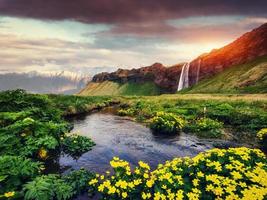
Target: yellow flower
9	194
111	190
124	195
146	175
209	188
143	165
137	182
200	174
115	158
195	182
93	182
144	196
179	195
101	188
149	183
42	153
164	187
157	196
218	191
137	171
236	175
192	196
121	184
131	185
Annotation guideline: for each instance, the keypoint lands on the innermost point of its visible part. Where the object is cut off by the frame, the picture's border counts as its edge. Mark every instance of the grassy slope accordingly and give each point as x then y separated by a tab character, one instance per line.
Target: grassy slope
246	78
113	88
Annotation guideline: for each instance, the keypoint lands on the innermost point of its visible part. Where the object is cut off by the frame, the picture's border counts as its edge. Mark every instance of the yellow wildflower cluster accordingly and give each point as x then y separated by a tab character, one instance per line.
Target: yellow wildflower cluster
116	162
236	173
262	133
166	123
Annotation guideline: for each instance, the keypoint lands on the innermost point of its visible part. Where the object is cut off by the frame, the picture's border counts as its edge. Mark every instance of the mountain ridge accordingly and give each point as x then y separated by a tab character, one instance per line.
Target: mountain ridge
246	48
36	82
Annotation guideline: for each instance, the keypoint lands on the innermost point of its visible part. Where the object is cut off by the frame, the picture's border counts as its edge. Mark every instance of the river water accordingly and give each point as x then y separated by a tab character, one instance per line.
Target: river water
131	141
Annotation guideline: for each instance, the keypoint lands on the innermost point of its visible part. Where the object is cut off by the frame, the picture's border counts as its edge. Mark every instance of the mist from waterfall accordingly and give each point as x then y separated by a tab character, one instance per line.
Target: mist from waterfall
184	77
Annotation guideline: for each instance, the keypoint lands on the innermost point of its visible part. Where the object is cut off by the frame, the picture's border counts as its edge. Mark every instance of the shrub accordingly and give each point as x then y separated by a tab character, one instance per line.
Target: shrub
47	187
14	171
166	123
236	173
222	112
126	112
78	180
75	145
205	127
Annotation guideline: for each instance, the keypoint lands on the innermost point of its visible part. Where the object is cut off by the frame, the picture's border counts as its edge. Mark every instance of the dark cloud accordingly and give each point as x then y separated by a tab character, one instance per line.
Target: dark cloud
142	34
120	11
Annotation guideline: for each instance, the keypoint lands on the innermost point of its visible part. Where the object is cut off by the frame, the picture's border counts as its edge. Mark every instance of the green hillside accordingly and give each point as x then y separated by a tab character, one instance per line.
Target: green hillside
114	88
246	78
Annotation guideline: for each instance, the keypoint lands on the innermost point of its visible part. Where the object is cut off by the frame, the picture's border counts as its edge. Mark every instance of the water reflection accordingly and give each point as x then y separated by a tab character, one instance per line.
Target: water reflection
118	136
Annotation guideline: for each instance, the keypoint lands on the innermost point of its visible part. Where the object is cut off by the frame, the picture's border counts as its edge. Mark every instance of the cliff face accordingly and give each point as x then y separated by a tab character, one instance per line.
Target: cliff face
165	77
246	48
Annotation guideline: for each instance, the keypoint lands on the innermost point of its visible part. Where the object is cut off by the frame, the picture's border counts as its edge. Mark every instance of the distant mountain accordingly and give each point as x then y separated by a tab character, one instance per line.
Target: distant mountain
250	48
58	83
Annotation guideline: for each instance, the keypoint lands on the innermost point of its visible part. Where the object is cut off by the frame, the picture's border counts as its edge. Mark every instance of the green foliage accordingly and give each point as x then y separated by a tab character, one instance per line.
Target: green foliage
32	126
205	127
15	170
78	180
53	186
33	145
26	136
70	104
166	123
18	100
240	115
47	187
75	145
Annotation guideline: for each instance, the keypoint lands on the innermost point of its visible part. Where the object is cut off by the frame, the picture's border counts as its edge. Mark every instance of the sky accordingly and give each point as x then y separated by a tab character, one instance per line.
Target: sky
85	36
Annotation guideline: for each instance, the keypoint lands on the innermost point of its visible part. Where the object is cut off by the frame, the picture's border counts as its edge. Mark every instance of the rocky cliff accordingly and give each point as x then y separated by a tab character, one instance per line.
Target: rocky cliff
246	48
165	77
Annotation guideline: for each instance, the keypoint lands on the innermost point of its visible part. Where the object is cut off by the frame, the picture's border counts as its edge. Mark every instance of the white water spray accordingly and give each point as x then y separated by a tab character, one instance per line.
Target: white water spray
198	69
184	77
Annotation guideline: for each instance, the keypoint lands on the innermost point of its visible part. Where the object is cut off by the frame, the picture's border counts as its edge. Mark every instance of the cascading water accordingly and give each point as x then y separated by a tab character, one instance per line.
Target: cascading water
184	77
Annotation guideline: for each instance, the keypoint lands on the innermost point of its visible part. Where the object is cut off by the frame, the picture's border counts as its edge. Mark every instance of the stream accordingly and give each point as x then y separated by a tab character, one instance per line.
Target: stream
129	140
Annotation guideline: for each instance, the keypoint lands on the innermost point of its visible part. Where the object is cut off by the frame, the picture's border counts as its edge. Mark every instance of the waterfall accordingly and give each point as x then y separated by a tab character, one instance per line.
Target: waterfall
184	77
198	69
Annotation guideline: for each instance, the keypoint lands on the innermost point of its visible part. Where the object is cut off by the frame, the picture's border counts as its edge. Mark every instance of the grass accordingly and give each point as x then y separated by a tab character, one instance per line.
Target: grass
242	115
245	78
114	88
